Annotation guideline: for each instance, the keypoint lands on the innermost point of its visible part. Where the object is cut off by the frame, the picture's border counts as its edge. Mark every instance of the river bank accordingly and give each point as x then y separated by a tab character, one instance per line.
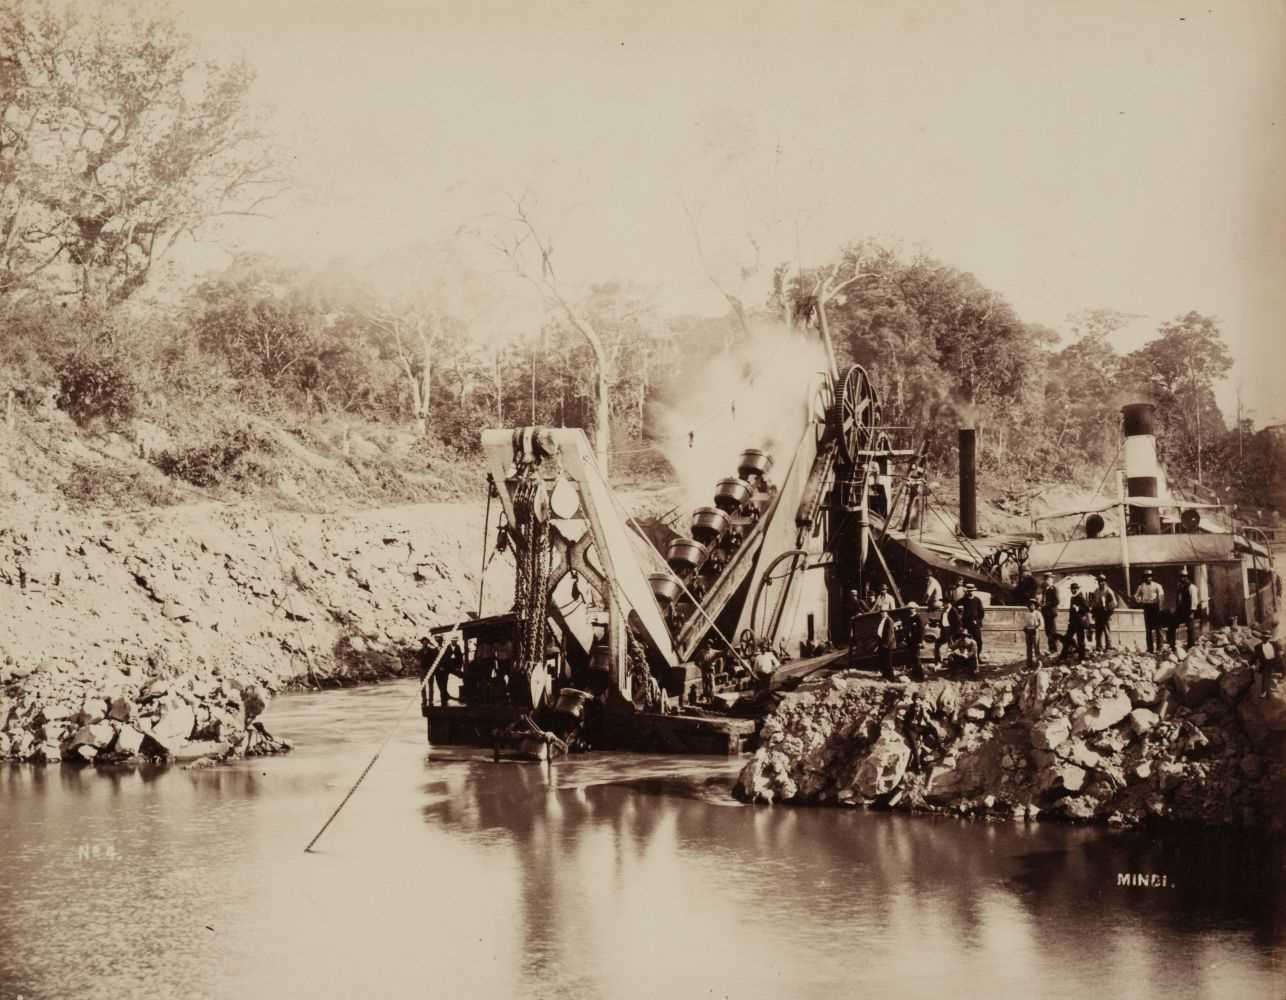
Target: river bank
165	633
1124	738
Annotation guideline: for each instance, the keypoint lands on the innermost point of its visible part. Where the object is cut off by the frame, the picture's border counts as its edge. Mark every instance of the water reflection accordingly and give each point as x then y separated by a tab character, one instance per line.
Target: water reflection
603	877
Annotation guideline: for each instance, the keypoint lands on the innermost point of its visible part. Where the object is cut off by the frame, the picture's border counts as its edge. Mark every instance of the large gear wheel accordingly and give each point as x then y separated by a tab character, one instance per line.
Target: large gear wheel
854	415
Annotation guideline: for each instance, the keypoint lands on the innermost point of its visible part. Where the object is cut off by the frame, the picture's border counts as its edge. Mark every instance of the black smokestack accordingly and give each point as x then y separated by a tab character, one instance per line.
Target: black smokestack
1139	425
968	483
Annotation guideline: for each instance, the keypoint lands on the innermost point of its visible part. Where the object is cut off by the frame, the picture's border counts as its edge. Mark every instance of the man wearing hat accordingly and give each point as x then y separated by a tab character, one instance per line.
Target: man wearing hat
1148	595
884	601
1032	621
1186	599
971	613
1102	604
1078	615
1049	602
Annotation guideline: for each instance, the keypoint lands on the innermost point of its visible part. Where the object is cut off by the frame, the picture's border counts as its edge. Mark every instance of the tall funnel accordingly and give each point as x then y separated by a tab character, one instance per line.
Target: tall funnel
1141	469
968	483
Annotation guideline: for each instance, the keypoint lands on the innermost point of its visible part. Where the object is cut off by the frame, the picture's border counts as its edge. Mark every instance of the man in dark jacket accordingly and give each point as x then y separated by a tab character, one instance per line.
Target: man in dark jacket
1049	611
1102	605
913	636
1078	616
1185	607
952	626
972	611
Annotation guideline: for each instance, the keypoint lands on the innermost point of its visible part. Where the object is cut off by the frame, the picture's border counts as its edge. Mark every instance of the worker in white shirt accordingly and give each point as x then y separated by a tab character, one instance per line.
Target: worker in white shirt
884	600
1033	621
1149	595
932	593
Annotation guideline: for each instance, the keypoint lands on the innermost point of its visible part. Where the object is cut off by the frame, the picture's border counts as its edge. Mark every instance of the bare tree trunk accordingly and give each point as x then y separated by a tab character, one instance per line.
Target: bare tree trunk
500	391
426	381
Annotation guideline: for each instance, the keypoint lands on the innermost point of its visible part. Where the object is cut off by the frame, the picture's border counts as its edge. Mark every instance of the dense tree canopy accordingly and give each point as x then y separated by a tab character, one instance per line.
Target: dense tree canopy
114	143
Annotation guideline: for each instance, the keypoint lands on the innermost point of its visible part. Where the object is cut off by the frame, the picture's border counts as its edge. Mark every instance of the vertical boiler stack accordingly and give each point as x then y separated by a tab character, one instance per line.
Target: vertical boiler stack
968	483
1141	470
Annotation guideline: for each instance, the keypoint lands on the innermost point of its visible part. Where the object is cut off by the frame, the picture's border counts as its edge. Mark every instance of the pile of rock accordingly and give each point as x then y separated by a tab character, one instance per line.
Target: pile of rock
1124	737
196	718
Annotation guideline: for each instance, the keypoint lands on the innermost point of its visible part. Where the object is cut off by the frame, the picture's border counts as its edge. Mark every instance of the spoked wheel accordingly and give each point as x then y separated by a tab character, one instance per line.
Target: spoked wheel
854	415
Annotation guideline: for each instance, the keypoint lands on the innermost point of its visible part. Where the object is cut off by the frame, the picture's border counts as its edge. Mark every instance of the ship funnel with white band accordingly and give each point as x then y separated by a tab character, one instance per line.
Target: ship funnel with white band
1143	475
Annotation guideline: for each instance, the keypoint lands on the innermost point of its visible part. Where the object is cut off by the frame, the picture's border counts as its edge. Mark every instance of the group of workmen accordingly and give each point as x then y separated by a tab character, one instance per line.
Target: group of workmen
1095	609
963	611
1084	612
961	630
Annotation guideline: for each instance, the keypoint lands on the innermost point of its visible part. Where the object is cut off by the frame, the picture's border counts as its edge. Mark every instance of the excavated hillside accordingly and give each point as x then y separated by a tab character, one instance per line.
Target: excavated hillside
211	600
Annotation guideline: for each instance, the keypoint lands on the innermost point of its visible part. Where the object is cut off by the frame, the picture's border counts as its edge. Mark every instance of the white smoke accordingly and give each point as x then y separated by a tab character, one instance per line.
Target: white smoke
759	394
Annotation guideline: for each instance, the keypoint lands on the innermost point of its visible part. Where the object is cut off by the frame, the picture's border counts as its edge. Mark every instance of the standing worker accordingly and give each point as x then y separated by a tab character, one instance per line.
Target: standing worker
952	626
886	634
1186	599
1102	604
972	611
914	484
1032	622
913	636
1049	611
932	593
1078	614
884	601
1149	595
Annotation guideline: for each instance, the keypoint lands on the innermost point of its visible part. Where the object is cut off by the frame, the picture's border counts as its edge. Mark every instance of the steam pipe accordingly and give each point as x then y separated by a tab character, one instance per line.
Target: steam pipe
968	482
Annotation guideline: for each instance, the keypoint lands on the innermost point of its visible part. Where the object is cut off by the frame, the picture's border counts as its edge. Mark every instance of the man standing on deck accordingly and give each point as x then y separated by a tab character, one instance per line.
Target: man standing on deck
932	593
952	626
913	635
1032	622
1186	599
1102	604
1149	595
1049	611
886	637
884	601
1078	613
972	611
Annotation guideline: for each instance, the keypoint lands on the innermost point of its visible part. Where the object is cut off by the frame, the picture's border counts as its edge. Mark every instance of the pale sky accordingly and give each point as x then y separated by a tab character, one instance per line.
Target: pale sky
1117	153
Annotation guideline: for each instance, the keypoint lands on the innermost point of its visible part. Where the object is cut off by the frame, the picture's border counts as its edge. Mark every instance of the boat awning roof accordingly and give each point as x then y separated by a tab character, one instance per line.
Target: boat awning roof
1147	502
1144	550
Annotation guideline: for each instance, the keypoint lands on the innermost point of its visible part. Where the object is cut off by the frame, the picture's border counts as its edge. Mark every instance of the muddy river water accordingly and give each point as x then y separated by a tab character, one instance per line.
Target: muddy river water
614	877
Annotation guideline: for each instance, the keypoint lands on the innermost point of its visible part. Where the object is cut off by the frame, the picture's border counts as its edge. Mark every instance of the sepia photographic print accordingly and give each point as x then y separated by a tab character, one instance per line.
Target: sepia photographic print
642	499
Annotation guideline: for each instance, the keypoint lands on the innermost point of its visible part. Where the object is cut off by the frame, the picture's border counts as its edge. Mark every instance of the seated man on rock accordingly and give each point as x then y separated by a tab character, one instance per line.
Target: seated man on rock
964	656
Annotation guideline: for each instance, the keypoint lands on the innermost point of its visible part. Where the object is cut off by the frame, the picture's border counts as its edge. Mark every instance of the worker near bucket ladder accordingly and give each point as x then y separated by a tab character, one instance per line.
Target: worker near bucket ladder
886	635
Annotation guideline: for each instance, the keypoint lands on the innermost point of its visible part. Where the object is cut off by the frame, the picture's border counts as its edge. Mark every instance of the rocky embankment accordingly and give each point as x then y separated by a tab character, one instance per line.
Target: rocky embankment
164	634
1124	738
